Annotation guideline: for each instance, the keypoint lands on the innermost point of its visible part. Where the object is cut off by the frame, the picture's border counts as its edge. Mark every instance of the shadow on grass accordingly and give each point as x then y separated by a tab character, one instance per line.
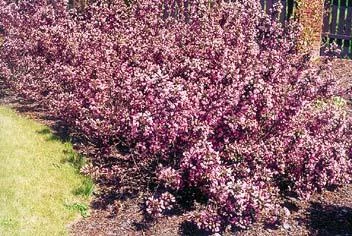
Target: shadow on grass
71	157
3	91
86	189
108	180
24	107
75	159
4	88
58	133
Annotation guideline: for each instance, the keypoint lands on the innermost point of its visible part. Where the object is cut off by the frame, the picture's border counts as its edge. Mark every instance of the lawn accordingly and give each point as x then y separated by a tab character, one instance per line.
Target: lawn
41	191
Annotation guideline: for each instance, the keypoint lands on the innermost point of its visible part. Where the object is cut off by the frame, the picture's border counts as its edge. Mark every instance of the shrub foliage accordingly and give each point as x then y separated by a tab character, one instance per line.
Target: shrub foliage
219	97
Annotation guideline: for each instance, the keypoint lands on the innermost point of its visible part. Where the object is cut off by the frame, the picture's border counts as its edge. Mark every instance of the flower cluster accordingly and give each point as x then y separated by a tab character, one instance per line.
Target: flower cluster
170	178
216	93
157	206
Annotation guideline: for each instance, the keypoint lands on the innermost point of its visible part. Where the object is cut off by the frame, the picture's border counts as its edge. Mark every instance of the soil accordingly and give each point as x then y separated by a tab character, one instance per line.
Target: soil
116	212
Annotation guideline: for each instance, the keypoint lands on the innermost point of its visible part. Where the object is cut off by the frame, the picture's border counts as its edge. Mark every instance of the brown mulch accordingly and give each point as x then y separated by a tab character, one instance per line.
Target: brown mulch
329	213
113	213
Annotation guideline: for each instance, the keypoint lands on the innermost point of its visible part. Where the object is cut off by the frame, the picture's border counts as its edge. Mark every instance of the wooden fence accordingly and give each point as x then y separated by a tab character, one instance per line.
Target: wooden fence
288	7
336	23
171	8
337	26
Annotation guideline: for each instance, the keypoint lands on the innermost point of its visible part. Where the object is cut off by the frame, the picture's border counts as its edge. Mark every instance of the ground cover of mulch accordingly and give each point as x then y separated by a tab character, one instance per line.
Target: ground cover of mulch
116	208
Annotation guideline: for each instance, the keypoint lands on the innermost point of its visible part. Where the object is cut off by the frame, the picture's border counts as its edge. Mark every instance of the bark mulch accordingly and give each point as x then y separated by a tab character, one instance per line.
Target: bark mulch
329	213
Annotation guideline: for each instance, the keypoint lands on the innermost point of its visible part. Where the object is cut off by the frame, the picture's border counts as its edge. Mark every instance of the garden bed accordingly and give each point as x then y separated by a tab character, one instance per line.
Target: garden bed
117	211
329	213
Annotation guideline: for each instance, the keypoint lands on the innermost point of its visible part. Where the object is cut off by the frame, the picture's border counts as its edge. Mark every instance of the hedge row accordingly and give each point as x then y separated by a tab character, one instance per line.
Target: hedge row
222	101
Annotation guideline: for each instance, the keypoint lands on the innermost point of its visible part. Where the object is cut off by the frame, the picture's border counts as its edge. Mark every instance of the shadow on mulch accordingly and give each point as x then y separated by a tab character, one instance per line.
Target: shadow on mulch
191	229
329	219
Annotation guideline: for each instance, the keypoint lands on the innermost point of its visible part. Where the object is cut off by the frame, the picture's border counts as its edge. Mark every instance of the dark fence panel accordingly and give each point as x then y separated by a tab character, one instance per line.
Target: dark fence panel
174	8
287	8
337	26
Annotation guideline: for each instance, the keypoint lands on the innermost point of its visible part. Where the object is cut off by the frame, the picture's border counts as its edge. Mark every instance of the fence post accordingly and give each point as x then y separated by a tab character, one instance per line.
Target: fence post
310	14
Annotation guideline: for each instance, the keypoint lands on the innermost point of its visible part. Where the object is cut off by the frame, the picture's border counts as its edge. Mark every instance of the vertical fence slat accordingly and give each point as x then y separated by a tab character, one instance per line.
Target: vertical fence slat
172	6
327	13
166	9
262	3
275	14
342	14
334	11
186	10
345	48
269	5
283	11
290	8
349	18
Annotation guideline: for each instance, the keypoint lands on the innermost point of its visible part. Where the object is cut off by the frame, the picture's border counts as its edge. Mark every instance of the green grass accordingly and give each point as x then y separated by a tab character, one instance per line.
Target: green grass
41	191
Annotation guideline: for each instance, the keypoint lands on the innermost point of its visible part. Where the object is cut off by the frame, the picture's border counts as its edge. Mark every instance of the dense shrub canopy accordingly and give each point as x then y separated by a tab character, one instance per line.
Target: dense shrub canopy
218	97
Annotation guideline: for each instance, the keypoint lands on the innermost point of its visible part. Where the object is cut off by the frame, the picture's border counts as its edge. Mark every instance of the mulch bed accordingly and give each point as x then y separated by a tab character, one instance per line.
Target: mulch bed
327	214
115	212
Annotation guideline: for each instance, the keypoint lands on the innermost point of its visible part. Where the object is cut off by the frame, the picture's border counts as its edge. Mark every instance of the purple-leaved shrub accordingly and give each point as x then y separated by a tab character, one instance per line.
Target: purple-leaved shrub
219	97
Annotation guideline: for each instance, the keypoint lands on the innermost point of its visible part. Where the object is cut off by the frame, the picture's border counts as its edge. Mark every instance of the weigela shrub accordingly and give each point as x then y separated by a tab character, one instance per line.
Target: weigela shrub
215	93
